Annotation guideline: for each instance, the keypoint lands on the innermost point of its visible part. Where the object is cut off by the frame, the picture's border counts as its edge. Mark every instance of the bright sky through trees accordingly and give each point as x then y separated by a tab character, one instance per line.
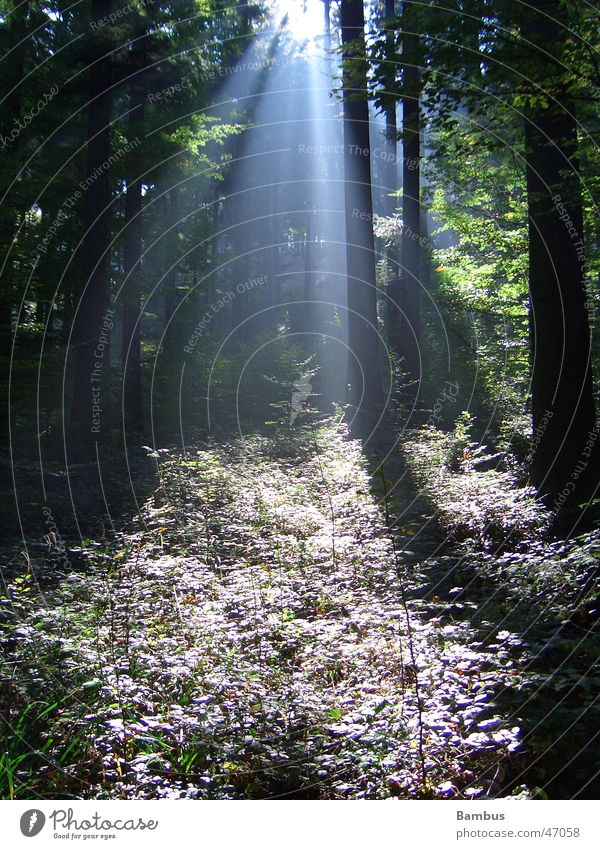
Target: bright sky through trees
304	19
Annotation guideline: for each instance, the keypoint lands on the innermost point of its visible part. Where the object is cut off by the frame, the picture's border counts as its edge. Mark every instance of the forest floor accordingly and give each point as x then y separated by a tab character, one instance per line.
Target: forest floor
277	624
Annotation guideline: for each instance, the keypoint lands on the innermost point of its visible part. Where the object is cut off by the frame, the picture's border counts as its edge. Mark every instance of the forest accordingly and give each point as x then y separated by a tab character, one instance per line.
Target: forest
299	395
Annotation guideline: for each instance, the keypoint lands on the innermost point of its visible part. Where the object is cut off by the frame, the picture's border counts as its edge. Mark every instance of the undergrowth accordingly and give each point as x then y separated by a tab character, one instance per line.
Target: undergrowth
247	637
509	573
478	496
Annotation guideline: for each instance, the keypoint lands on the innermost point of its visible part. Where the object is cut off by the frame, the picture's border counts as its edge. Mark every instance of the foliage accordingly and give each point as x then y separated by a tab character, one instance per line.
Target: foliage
246	639
476	495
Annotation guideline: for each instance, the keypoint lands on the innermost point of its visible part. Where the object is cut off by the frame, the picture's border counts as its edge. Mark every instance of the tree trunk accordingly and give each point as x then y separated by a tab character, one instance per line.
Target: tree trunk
308	318
327	21
563	413
172	216
363	361
9	213
239	267
273	256
92	321
392	313
133	247
561	380
411	200
131	339
391	123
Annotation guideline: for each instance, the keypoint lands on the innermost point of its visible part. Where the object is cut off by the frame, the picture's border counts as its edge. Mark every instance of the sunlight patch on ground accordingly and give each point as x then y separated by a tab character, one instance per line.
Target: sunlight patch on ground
238	655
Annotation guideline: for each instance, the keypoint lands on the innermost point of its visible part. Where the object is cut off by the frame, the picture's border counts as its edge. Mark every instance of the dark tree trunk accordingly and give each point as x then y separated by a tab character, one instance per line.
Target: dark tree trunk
133	247
561	381
14	73
172	215
411	200
131	339
239	268
90	388
238	213
391	123
563	464
45	271
392	313
363	341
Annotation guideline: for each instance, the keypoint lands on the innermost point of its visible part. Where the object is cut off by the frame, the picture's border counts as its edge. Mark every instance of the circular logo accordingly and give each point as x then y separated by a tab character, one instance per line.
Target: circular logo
32	822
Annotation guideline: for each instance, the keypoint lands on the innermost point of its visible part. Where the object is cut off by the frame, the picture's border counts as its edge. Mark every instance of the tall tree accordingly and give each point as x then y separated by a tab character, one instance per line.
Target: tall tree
16	44
411	195
561	381
132	249
363	342
94	255
389	102
517	91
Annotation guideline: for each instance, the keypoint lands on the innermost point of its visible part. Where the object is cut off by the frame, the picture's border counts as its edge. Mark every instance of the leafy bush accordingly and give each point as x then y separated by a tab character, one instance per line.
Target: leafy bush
475	497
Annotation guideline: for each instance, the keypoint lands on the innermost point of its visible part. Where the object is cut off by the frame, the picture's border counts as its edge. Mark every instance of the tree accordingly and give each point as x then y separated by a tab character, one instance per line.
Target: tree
562	400
389	100
90	316
132	249
403	314
495	68
16	46
363	341
411	196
